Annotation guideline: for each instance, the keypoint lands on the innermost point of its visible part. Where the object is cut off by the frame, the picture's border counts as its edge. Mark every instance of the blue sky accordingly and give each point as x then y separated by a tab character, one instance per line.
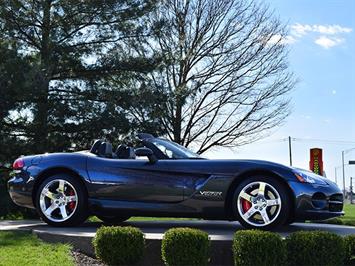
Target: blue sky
322	56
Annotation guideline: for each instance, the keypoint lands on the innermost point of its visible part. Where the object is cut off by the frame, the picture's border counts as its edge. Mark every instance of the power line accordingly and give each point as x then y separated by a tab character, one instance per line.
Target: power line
329	141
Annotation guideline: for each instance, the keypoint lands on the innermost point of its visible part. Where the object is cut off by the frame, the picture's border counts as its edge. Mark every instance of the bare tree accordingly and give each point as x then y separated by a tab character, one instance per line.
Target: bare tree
225	71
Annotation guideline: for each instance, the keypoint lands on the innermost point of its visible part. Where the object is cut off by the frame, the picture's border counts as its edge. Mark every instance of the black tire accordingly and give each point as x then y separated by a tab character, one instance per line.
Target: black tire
79	214
279	219
113	219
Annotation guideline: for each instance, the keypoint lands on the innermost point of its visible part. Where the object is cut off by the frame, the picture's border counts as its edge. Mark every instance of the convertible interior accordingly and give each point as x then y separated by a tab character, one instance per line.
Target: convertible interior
161	148
104	149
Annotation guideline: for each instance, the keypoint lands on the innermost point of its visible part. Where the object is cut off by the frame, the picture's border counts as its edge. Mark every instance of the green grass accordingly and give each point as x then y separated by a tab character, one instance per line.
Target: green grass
349	210
21	248
158	218
347	219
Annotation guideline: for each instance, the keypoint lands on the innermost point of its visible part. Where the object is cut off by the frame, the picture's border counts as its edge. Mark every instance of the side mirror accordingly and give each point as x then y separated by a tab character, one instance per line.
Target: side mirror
140	152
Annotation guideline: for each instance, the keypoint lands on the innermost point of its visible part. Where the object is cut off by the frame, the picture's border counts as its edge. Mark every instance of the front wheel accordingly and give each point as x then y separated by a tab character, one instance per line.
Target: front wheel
61	201
261	202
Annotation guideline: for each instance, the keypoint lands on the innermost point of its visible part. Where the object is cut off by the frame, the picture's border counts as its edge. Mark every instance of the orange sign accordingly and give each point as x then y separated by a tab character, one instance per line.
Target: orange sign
316	161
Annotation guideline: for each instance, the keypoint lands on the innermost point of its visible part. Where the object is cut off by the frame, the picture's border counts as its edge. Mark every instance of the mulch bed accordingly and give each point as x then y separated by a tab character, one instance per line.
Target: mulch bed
84	260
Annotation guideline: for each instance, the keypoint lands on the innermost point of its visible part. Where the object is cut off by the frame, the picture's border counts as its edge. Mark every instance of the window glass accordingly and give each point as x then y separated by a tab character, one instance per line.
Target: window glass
173	150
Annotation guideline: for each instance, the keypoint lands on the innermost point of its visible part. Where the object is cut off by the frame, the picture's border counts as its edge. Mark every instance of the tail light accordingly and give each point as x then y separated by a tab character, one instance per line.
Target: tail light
18	164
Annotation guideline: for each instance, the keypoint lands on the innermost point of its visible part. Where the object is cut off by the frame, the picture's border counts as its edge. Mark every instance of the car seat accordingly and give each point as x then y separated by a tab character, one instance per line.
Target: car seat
125	152
105	150
95	147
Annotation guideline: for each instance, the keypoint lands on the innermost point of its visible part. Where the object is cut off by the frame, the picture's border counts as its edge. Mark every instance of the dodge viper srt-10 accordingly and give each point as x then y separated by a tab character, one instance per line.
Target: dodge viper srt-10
158	177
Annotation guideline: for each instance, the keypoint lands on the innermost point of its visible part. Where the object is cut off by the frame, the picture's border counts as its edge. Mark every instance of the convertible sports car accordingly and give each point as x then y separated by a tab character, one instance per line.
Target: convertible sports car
168	180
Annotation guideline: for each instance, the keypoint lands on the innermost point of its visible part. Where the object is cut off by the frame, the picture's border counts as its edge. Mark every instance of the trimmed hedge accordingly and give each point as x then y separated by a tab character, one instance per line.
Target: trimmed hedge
119	245
254	247
185	246
315	248
350	250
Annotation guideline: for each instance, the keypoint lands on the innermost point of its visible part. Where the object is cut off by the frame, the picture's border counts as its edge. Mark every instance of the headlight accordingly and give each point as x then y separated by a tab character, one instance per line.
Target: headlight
308	177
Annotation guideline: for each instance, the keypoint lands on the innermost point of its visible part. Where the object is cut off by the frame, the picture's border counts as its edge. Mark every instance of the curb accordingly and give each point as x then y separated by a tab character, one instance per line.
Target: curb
221	250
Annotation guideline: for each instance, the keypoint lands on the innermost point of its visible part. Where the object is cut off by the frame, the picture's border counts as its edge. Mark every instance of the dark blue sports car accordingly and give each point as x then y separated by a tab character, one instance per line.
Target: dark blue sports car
168	180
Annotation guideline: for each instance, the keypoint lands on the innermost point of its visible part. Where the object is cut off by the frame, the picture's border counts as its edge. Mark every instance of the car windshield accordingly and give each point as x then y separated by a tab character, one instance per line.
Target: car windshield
173	150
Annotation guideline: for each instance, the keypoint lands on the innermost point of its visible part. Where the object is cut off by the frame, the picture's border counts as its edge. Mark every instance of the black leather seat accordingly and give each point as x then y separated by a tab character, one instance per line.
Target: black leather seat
125	152
95	147
105	150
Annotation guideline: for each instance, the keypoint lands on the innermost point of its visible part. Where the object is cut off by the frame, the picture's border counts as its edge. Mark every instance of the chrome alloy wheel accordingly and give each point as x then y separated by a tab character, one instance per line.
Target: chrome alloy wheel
259	204
58	200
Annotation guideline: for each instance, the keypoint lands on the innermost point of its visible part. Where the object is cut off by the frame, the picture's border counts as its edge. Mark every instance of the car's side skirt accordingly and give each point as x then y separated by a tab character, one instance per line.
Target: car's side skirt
190	208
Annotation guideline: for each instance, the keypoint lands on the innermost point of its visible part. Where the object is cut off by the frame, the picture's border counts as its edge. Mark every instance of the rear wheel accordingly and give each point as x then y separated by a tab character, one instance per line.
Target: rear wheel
113	219
261	202
61	201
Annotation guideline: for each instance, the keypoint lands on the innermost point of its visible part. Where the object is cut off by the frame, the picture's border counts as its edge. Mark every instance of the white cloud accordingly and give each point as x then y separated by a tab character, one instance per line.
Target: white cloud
302	29
278	38
326	36
328	42
334	92
331	29
289	39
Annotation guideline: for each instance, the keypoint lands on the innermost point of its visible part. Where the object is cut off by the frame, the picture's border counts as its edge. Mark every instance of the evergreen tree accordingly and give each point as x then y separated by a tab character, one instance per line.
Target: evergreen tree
73	45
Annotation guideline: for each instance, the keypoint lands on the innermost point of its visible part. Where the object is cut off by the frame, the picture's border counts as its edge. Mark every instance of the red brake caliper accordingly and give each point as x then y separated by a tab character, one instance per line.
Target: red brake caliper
246	205
72	203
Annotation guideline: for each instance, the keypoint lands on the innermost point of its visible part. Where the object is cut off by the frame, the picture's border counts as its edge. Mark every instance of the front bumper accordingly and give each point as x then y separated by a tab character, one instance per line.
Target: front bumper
20	189
315	202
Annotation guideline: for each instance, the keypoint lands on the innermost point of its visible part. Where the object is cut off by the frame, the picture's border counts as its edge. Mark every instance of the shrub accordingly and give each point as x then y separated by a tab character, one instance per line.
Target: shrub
350	250
254	247
315	248
185	246
119	245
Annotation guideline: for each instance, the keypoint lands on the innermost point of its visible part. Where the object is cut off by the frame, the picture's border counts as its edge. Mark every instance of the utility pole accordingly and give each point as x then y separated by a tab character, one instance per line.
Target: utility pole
342	158
343	164
351	190
290	149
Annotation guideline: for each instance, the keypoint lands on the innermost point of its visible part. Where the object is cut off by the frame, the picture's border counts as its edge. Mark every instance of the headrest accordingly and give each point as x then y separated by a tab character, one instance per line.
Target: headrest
125	152
105	149
95	147
121	152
